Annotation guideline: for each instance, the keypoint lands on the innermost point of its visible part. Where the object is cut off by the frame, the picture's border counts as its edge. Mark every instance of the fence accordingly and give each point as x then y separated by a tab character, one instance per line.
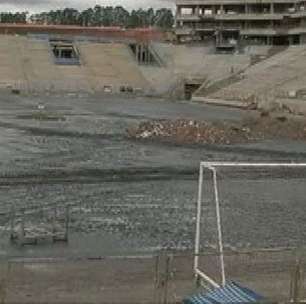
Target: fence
160	279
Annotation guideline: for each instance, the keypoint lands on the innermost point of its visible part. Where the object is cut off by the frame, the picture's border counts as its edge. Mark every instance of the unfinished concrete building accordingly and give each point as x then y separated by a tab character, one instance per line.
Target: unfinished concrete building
232	23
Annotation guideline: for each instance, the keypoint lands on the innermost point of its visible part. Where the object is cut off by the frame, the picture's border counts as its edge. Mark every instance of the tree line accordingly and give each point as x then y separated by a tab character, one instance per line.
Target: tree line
96	16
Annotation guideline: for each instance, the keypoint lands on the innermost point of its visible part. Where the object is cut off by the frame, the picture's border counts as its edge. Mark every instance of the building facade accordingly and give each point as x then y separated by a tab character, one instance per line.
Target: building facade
229	23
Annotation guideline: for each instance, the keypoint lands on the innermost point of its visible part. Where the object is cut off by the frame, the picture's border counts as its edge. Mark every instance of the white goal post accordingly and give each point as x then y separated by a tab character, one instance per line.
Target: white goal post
213	168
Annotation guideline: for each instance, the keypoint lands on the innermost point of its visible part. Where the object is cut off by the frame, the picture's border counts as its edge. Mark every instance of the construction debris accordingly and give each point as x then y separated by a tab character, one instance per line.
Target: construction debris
190	131
203	132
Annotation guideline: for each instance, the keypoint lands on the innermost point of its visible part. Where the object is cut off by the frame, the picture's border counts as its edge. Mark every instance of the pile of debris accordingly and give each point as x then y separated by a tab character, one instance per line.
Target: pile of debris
191	131
202	132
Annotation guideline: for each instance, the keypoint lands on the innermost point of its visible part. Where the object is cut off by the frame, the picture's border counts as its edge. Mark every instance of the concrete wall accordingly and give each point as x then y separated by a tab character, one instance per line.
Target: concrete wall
191	63
27	64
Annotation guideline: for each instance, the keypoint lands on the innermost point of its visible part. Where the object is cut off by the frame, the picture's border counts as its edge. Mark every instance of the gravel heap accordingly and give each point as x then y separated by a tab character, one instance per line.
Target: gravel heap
200	132
191	131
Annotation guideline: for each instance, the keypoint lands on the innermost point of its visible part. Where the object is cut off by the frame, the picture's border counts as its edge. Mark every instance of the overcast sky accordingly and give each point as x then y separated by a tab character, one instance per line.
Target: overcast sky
42	5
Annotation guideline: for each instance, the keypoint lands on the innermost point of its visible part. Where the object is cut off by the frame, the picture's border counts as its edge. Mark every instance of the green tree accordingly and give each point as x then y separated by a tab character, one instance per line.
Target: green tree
164	18
97	16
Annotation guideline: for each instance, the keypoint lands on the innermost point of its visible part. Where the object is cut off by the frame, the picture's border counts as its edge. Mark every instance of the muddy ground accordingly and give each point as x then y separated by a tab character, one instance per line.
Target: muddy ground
130	197
133	196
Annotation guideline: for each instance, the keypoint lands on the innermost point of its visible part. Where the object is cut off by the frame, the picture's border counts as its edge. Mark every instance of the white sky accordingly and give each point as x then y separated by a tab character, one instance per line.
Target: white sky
44	5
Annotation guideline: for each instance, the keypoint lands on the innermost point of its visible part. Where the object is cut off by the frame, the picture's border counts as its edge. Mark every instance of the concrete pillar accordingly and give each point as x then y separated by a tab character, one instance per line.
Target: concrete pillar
197	10
302	39
179	10
146	54
137	52
222	9
141	53
246	8
272	8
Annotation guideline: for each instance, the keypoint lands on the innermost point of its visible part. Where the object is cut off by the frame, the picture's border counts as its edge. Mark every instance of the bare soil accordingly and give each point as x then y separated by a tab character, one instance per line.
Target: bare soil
132	280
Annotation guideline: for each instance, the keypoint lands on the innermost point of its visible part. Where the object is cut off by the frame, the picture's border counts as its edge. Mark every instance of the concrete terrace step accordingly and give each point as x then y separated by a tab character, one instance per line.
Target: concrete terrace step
221	102
29	64
270	76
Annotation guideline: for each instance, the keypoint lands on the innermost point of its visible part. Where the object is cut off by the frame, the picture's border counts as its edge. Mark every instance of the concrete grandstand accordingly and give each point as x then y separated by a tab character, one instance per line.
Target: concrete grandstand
279	79
105	62
146	65
28	65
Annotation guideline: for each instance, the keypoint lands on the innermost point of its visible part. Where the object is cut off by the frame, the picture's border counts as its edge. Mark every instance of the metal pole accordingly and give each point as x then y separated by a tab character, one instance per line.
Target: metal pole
198	222
54	223
167	278
219	225
156	280
210	165
22	236
67	223
12	222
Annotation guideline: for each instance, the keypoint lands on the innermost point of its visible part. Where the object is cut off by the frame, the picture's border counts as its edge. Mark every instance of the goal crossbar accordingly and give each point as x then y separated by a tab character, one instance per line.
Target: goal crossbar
212	167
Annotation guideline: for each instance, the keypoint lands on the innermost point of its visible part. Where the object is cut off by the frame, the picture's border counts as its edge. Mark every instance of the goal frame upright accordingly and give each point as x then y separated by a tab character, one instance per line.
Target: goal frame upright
213	168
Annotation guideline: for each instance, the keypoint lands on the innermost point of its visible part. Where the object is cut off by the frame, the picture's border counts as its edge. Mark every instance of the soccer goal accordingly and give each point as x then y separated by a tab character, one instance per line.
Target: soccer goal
265	178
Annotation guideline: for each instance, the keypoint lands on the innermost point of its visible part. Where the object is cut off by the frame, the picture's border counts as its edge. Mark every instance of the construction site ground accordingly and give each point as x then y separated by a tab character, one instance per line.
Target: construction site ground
139	279
184	131
130	197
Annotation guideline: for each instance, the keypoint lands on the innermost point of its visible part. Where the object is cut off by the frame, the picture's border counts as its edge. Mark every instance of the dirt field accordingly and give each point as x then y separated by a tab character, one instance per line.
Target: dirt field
139	279
129	197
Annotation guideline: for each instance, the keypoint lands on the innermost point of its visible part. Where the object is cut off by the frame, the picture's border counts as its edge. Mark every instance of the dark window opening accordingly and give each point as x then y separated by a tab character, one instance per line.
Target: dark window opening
281	40
189	89
145	54
65	53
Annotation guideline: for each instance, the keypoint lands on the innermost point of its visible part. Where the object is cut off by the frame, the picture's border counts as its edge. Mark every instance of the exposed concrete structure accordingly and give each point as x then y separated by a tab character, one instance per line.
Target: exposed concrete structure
190	66
28	65
233	22
64	64
278	82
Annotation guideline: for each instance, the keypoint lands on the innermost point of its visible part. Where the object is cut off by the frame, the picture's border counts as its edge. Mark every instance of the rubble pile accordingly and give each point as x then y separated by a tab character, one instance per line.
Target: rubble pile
202	132
191	131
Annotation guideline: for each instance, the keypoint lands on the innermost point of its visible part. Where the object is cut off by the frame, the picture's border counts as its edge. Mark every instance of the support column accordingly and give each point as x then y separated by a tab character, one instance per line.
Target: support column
272	8
137	52
197	10
269	40
179	11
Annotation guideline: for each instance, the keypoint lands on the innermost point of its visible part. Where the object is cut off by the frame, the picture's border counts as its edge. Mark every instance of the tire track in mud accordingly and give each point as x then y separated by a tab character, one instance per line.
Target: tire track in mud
39	131
130	175
136	173
276	154
87	176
